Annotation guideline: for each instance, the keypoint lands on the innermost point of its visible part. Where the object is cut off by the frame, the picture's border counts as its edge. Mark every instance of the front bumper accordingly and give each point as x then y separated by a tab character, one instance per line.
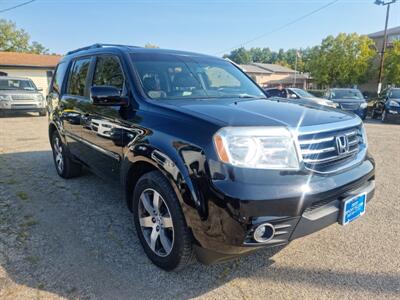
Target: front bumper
393	114
294	209
28	106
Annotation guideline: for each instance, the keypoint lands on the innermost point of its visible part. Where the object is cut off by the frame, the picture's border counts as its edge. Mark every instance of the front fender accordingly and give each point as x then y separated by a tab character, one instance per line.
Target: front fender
184	166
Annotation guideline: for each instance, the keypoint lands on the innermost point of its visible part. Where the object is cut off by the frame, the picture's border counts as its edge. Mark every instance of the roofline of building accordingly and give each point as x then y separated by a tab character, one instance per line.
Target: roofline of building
26	67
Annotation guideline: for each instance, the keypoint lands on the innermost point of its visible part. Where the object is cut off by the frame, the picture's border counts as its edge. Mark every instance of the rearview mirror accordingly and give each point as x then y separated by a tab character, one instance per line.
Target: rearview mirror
107	96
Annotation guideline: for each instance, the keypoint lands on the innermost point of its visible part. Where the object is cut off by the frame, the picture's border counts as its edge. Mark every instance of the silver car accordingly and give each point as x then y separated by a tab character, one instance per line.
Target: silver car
299	94
20	94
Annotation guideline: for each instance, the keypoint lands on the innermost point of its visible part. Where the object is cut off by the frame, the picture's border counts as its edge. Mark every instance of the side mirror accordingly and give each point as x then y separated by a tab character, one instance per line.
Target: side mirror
39	89
366	97
107	96
293	96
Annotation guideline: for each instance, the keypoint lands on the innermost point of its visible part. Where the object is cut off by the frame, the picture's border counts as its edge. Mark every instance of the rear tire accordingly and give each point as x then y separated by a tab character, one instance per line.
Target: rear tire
160	223
66	168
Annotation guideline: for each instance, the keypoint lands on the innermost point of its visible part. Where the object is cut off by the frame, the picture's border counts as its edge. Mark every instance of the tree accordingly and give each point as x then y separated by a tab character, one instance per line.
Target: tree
150	45
392	64
38	48
17	40
344	60
240	56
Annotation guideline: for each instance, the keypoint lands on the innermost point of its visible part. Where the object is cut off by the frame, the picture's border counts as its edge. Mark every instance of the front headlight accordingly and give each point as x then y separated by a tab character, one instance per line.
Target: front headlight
257	147
394	103
363	105
364	135
5	98
39	97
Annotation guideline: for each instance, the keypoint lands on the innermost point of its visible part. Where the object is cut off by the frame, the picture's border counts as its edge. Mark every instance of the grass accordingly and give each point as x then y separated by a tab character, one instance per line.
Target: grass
22	195
113	237
33	260
11	181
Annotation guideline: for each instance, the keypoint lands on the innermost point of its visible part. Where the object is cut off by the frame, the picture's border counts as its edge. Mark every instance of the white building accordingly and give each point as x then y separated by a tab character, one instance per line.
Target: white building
37	67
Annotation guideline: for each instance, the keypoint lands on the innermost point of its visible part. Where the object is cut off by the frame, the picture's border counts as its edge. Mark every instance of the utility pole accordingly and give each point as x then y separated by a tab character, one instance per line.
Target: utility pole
382	2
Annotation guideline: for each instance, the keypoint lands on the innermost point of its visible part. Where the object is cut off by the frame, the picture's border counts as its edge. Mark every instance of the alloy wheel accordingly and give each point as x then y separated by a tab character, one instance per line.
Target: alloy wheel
156	222
58	154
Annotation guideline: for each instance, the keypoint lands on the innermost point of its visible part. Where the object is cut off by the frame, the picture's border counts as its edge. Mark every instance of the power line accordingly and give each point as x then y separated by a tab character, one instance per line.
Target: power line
281	27
16	6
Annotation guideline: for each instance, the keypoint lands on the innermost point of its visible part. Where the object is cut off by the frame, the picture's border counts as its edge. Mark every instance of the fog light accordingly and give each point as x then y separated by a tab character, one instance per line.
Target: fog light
264	233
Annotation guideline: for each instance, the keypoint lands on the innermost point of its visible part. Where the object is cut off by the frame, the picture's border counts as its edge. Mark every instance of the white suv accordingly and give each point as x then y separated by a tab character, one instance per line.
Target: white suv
20	94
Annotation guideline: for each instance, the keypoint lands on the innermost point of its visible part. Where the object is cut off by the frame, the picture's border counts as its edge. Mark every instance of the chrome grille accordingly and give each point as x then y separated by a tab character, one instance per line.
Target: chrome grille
350	106
321	153
23	97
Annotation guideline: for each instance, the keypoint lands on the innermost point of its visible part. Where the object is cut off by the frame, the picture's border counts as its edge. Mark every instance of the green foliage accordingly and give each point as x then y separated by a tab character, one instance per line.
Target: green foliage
240	56
13	39
392	64
343	60
266	55
149	45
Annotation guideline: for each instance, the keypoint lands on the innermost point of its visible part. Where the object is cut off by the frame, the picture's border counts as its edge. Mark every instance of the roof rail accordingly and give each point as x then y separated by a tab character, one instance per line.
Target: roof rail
98	45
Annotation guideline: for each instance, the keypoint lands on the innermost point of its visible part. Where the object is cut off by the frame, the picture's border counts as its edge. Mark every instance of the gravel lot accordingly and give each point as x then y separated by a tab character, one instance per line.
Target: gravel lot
75	239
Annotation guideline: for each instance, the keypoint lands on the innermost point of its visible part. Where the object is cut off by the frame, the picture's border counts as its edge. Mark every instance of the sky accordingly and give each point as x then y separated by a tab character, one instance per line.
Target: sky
204	26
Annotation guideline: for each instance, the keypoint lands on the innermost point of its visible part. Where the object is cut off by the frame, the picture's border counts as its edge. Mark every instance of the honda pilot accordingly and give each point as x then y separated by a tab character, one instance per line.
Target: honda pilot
208	165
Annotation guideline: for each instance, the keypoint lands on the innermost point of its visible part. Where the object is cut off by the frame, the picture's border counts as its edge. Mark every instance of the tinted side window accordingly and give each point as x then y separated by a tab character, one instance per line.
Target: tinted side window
108	72
272	93
77	78
58	78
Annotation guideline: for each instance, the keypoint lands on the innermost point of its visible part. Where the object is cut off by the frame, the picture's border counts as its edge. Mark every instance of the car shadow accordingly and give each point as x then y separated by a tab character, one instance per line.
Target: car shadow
76	239
16	114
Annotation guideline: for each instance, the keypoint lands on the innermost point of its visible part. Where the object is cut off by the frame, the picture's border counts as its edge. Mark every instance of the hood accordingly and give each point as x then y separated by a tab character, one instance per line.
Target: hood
321	101
259	112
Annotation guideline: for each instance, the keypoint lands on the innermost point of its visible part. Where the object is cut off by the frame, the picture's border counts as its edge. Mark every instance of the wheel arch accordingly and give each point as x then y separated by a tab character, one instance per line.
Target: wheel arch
185	189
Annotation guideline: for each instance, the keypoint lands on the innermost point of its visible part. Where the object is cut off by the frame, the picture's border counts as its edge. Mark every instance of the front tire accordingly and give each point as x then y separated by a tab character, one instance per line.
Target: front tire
384	117
160	223
42	113
66	168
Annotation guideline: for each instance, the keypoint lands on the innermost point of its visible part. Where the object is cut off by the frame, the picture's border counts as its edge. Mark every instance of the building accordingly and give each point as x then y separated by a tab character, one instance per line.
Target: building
270	75
393	34
37	67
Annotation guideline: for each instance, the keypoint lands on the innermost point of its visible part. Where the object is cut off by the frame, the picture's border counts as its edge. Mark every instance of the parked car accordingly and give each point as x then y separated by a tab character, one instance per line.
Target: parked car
388	106
349	100
206	164
20	94
299	94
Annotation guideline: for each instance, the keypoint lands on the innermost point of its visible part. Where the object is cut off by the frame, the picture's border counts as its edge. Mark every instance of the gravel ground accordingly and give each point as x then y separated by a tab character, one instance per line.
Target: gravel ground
75	239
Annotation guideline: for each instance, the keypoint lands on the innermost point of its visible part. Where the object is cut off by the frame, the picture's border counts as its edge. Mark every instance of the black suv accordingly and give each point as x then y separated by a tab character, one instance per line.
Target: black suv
208	165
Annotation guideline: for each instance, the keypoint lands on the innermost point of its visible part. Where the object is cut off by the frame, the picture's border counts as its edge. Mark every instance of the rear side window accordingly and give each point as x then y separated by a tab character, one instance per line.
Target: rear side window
78	76
108	72
58	78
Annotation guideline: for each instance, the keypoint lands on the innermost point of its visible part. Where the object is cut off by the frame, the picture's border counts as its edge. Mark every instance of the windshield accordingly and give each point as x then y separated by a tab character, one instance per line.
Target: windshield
395	94
347	94
171	77
17	84
303	93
